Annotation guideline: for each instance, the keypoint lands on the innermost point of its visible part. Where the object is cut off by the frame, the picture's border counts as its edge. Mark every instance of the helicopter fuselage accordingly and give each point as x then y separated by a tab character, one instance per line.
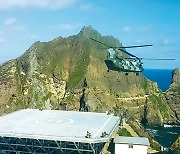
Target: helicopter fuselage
117	63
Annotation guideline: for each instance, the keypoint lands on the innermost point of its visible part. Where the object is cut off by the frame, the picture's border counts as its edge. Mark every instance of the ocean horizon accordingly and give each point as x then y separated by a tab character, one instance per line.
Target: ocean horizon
163	77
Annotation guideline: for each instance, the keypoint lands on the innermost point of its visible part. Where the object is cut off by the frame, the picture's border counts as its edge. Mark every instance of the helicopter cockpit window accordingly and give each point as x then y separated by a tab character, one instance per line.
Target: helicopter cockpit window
111	52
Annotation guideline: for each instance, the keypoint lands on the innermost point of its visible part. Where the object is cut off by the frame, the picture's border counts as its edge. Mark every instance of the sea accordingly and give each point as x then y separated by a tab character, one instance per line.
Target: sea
164	135
167	134
162	76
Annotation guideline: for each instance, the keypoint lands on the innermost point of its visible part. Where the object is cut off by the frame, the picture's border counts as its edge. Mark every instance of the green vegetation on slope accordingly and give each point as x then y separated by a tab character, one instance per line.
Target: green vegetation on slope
80	69
157	100
124	132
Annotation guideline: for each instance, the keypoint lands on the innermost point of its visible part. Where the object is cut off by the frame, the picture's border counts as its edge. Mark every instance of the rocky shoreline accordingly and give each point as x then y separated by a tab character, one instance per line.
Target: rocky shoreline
175	146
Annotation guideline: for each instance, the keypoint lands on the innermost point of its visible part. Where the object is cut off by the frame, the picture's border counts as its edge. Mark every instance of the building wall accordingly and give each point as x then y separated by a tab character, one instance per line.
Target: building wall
130	149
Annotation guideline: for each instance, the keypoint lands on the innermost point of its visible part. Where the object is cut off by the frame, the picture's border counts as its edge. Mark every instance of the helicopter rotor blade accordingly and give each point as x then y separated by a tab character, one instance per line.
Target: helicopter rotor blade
152	58
101	43
134	46
137	46
128	53
157	58
123	48
104	48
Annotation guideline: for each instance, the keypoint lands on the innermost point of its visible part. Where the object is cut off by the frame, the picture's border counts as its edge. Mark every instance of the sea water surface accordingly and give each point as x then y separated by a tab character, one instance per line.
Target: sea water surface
162	76
164	135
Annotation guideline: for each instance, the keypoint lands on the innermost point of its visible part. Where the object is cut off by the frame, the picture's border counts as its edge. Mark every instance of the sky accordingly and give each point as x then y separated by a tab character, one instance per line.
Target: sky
133	22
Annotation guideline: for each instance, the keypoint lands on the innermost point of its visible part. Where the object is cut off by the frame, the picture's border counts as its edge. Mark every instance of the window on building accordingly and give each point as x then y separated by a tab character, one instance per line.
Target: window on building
130	146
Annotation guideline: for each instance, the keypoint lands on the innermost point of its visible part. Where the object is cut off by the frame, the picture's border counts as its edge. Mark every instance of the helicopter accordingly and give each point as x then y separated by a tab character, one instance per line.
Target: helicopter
117	62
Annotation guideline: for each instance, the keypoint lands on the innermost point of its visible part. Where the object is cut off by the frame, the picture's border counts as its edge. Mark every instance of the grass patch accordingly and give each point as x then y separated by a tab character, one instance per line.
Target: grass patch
80	69
124	132
69	98
45	98
158	101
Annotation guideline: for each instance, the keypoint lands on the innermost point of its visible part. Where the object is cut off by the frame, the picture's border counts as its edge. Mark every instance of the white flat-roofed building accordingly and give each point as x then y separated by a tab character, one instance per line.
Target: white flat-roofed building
131	145
55	131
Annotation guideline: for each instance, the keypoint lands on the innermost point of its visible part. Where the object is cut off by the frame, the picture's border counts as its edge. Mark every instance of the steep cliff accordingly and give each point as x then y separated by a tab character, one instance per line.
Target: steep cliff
173	93
70	74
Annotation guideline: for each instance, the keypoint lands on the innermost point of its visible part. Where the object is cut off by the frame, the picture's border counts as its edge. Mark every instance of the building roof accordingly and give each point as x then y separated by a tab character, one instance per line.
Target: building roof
131	140
58	125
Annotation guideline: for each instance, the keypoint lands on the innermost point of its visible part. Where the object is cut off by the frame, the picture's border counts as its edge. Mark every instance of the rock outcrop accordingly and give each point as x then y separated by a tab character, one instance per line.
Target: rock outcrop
175	146
70	74
173	93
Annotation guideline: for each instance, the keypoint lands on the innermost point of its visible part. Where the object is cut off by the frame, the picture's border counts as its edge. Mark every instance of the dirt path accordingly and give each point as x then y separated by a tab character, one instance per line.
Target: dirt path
132	98
130	130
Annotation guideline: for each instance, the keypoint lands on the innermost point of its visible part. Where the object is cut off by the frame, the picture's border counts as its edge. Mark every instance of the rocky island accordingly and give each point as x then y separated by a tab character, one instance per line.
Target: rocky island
70	74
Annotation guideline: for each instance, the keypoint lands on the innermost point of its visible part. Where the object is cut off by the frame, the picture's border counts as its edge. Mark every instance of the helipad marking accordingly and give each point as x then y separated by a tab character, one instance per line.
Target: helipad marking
102	127
54	121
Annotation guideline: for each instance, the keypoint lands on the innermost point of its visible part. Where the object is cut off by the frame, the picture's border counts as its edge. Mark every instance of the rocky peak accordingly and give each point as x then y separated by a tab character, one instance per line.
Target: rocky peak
175	84
88	31
176	75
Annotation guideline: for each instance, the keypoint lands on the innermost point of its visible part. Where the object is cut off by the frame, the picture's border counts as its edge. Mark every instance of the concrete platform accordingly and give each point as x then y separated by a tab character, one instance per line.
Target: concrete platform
58	125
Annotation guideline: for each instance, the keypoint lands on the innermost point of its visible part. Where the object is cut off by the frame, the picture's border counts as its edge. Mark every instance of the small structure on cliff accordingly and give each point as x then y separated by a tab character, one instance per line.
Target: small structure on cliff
51	131
131	145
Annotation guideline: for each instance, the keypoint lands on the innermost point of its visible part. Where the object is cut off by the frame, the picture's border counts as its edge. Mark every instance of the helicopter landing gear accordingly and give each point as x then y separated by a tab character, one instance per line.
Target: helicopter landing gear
137	74
126	73
108	70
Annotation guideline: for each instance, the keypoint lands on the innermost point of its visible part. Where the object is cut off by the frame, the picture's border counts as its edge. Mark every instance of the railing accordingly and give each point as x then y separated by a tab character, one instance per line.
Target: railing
25	146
